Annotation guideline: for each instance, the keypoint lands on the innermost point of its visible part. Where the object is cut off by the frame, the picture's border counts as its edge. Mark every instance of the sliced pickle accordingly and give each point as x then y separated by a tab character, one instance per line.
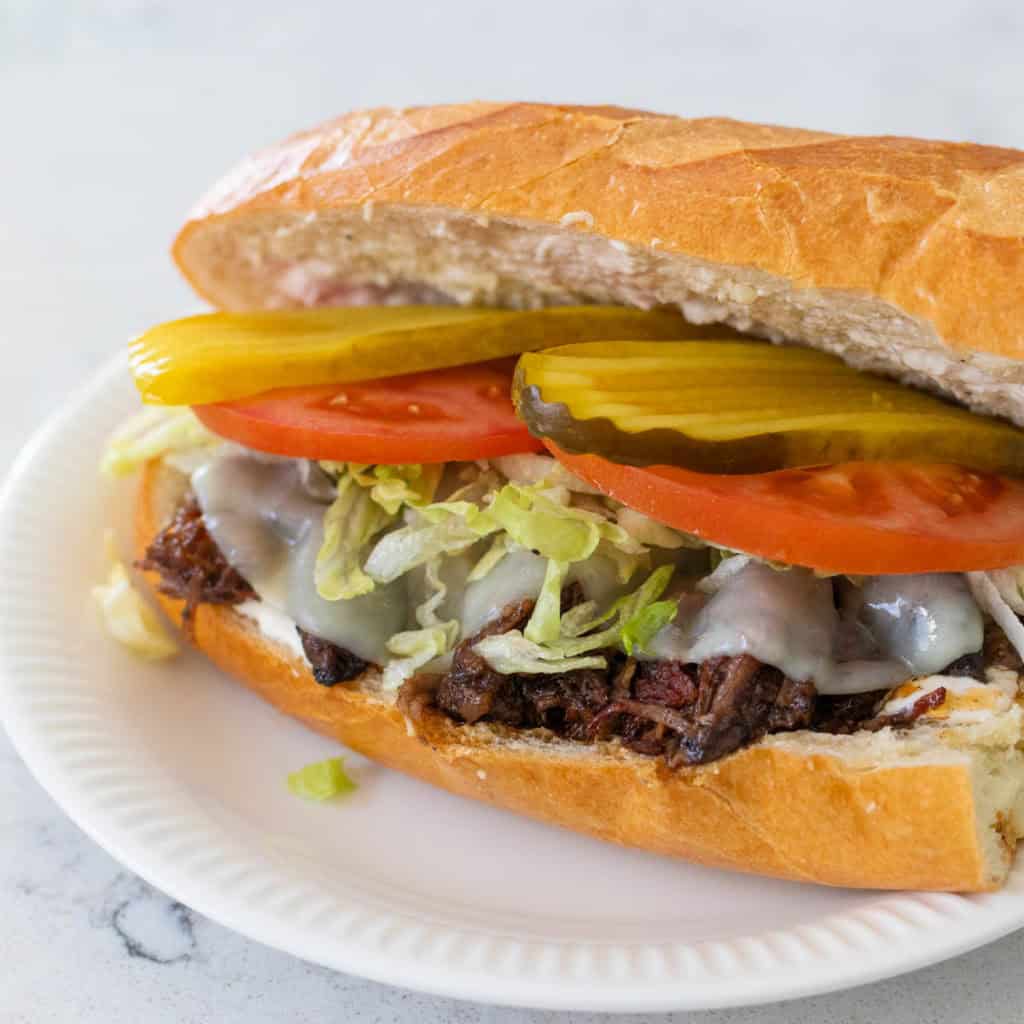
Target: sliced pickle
222	356
744	407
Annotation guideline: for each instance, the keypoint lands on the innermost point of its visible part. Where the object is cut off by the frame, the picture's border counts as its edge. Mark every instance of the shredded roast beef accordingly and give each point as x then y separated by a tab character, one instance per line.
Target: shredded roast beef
472	690
565	703
191	566
970	666
330	663
699	713
844	714
689	713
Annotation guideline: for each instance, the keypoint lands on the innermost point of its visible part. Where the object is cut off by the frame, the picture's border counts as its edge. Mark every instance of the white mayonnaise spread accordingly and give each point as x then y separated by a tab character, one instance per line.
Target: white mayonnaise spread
966	700
274	624
266	515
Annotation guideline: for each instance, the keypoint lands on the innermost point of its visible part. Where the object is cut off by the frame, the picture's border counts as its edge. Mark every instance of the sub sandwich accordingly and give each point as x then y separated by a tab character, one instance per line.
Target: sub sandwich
655	478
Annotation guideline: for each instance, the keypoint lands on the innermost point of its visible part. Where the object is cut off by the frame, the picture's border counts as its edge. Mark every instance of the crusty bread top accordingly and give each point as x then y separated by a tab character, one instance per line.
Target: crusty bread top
903	255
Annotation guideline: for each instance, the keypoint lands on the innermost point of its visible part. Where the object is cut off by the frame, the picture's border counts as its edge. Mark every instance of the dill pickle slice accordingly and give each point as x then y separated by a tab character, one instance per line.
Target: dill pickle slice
757	408
222	356
745	396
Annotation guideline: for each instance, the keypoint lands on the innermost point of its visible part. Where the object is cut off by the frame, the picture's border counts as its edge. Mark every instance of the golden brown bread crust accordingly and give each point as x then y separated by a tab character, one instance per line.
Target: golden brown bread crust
768	809
934	228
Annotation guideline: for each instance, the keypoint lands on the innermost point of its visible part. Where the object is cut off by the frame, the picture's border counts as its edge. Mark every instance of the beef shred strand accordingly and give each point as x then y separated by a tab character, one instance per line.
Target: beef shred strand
691	714
191	566
331	664
193	569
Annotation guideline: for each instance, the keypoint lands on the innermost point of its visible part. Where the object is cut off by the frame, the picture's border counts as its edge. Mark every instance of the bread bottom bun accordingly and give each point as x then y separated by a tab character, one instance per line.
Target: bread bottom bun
930	808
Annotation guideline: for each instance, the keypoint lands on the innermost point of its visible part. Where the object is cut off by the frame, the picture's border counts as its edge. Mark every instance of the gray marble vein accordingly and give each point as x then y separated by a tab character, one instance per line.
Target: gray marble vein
116	113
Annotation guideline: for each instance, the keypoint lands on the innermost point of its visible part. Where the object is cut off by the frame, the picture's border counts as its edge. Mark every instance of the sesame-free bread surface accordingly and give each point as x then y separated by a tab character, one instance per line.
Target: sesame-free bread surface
904	256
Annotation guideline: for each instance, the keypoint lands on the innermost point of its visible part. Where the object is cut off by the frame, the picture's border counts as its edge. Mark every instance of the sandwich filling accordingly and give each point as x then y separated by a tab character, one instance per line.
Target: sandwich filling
510	591
599	522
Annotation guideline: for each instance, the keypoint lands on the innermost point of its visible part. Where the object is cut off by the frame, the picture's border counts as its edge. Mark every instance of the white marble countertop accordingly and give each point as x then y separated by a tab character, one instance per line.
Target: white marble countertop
117	113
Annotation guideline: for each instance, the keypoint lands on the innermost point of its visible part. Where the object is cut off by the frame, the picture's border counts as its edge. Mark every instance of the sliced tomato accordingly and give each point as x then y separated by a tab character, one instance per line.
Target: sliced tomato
461	413
866	518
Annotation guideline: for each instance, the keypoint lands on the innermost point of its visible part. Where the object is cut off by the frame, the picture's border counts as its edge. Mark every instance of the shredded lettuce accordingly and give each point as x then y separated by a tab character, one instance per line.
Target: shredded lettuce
472	516
649	531
530	470
500	547
626	563
545	621
126	615
350	523
394	486
724	568
322	780
535	521
1010	584
641	629
537	518
426	613
577	620
414	648
621	615
441	528
630	623
511	653
401	550
391	487
154	432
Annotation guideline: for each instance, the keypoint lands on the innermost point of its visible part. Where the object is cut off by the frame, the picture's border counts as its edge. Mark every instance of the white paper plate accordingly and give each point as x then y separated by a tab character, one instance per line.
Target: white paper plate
179	773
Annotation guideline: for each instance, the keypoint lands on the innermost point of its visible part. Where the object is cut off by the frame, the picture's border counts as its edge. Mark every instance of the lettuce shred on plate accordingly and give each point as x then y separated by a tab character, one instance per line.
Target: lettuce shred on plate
322	780
126	615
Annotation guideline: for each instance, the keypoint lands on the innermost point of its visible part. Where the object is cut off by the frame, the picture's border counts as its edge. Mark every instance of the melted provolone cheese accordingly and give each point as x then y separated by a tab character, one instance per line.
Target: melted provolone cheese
270	528
785	619
926	621
912	625
518	575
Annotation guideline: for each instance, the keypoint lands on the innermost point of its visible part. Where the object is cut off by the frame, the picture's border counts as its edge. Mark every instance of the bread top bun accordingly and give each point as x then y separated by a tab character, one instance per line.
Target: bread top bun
904	256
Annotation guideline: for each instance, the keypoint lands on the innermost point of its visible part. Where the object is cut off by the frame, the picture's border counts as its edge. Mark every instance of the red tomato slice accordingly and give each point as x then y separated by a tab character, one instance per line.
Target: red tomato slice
461	413
868	518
